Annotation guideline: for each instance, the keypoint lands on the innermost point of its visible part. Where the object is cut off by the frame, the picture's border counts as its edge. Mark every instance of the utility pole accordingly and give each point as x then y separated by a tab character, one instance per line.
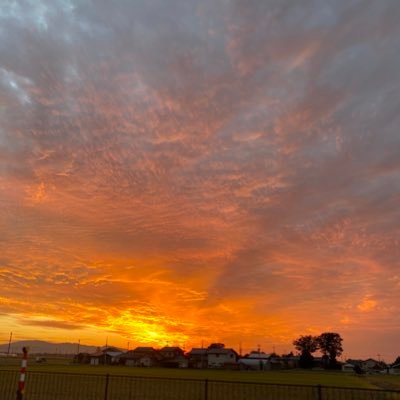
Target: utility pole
9	344
105	351
79	345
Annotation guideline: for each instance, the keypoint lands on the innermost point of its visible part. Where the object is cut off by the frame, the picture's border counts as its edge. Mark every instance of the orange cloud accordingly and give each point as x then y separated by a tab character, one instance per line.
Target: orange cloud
367	305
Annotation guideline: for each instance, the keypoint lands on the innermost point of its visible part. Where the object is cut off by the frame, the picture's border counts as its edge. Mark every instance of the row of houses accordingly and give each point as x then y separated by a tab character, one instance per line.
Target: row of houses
217	357
370	365
172	357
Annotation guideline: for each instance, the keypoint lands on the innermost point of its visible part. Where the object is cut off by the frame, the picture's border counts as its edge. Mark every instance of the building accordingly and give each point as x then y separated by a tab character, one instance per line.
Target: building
348	367
107	356
373	365
141	357
394	369
256	360
197	358
82	358
173	357
169	353
290	362
221	357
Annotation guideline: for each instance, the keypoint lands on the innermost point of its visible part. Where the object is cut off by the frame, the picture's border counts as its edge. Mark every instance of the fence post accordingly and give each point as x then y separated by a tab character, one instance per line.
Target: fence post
206	389
106	387
319	392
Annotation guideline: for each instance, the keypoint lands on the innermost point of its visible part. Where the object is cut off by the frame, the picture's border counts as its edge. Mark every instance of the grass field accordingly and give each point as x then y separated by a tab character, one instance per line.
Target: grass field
88	382
289	377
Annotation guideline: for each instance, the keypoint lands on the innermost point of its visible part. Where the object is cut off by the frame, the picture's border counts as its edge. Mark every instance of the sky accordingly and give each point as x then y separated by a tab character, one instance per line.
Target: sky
185	172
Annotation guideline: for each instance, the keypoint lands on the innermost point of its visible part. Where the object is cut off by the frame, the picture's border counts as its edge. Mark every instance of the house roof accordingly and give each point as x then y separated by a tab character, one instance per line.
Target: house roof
353	361
291	358
173	348
197	351
97	354
114	353
371	359
256	354
221	351
110	348
139	352
144	349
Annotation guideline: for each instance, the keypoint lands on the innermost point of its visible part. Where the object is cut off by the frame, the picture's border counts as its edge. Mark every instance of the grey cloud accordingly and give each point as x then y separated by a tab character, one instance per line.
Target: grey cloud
51	324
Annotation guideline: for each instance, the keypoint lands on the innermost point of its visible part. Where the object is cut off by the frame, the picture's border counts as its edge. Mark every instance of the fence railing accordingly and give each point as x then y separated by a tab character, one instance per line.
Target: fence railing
73	386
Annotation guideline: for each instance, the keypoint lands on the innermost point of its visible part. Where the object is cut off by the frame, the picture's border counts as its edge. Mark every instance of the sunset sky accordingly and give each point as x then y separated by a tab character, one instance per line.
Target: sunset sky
185	171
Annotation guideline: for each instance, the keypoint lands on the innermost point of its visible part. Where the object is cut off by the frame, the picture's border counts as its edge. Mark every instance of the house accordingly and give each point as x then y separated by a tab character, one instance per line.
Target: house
109	355
173	357
354	362
348	367
394	369
169	353
81	358
221	357
290	361
256	360
275	363
141	357
373	365
197	358
6	355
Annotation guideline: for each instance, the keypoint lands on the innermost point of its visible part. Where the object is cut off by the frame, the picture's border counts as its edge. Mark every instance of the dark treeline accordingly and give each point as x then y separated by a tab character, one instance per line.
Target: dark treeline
328	343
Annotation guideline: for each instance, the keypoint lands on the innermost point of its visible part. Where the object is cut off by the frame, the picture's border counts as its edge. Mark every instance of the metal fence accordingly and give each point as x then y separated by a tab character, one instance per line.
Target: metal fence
63	386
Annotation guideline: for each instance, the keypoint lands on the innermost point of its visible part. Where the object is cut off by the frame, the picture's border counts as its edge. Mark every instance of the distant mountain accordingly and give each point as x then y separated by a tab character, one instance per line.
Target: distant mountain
39	346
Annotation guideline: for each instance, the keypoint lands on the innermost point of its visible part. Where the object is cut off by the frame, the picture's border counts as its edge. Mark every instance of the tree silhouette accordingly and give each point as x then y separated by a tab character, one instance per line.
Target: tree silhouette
306	345
330	344
216	346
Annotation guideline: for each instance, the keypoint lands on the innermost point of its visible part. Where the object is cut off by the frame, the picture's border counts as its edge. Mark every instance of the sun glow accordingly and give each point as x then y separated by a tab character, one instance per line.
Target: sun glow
148	329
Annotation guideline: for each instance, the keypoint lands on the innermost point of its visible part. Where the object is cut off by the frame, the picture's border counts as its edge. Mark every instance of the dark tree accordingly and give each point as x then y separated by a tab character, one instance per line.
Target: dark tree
216	346
306	345
330	344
